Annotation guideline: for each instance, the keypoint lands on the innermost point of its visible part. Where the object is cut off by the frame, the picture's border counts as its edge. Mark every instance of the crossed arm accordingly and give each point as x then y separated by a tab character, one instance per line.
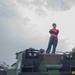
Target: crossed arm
52	32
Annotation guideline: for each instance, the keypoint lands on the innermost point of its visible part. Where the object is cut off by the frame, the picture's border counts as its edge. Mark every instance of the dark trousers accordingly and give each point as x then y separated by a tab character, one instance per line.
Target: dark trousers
52	41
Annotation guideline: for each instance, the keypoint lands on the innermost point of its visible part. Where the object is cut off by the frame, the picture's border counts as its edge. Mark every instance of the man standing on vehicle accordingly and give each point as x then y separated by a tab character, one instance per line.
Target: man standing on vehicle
53	39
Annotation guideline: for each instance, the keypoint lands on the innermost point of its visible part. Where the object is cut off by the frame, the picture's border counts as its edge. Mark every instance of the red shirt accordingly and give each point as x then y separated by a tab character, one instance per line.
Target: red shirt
54	32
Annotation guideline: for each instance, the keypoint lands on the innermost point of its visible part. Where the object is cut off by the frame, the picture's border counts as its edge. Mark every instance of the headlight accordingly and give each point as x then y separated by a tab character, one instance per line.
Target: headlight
30	54
71	56
35	54
67	56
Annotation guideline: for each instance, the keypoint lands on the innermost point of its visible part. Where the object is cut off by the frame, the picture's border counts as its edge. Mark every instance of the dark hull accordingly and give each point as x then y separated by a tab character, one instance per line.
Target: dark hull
31	62
3	73
38	73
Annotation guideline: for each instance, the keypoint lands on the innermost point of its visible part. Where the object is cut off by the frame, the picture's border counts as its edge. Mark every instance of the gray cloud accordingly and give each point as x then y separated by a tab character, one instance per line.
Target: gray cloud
55	5
63	45
6	33
5	10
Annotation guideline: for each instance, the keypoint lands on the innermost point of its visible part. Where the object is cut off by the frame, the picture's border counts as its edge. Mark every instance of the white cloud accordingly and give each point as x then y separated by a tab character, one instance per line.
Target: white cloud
48	4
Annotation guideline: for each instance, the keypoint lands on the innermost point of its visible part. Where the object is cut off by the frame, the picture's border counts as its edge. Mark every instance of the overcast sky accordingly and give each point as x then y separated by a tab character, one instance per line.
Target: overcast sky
26	23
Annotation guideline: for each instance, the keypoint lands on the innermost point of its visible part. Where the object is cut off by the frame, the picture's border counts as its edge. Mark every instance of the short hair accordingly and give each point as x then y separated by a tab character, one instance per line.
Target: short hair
54	24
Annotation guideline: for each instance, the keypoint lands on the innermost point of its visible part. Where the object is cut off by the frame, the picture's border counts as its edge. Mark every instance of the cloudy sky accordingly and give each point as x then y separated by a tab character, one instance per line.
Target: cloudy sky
25	24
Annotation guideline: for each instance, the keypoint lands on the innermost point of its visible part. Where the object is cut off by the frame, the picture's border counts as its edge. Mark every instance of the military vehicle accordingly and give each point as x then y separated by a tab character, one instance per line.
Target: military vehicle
37	62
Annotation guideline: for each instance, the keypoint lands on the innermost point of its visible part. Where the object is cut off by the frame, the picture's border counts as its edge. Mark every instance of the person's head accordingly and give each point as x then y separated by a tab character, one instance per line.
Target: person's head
54	25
